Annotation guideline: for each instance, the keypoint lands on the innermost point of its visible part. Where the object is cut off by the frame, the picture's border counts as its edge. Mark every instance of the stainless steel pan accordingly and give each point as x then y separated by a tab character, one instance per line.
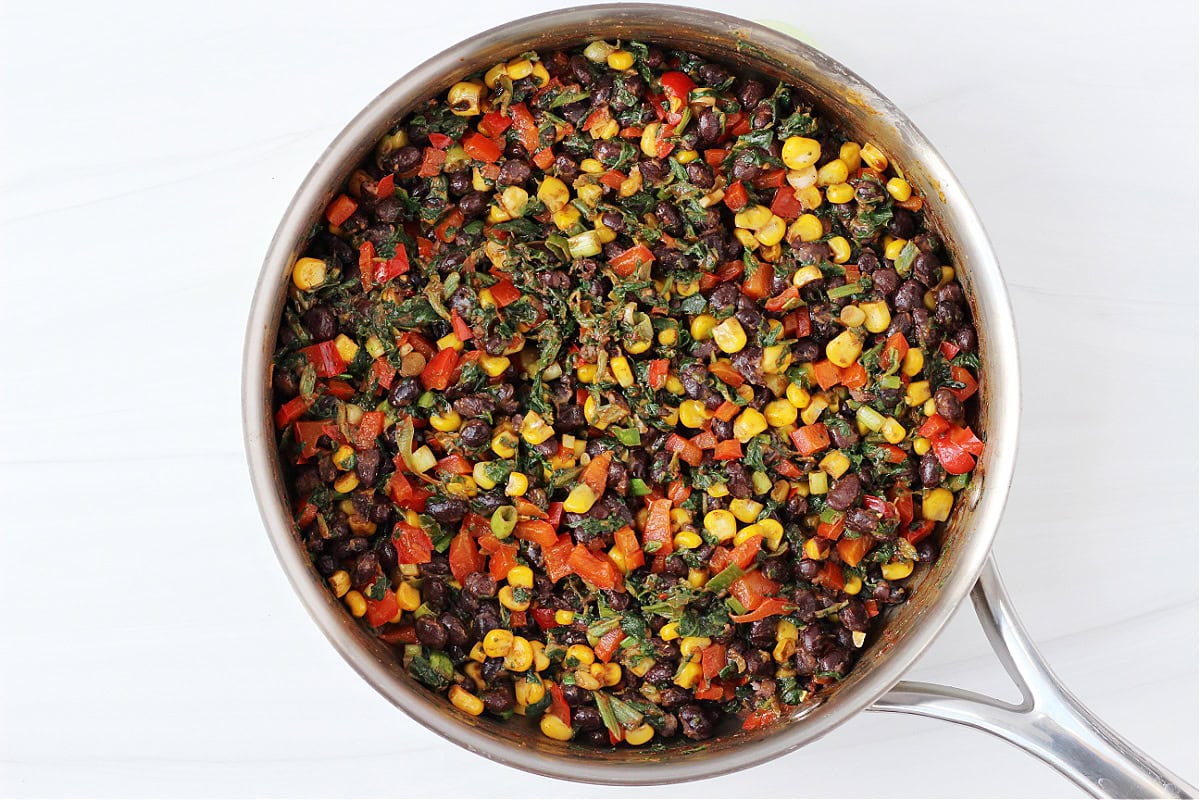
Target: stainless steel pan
1048	722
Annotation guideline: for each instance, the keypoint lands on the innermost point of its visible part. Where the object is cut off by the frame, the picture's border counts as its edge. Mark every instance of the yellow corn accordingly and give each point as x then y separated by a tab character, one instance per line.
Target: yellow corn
689	675
897	570
680	517
784	650
308	274
748	424
840	248
447	422
806	275
342	457
620	60
729	335
520	575
917	393
566	218
851	153
874	157
669	632
517	485
355	602
534	429
797	395
581	655
780	413
580	500
799	152
899	189
816	549
921	445
347	482
347	348
339	582
520	657
776	358
810	198
844	349
812	412
929	408
936	504
541	661
674	386
519	68
772	232
834	172
668	337
504	444
621	370
697	578
892	249
914	362
852	316
835	463
818	483
494	366
497	643
878	316
687	540
693	414
893	431
553	193
772	533
839	193
745	510
806	228
513	200
555	728
465	702
529	692
692	645
477	653
639	735
540	73
702	326
721	524
607	674
717	490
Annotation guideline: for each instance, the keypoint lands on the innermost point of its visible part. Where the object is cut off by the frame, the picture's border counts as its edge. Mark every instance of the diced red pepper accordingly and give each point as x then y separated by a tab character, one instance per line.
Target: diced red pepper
538	531
758	285
728	450
557	557
613	179
713	660
465	557
461	329
678	492
963	376
705	440
894	351
481	148
852	551
501	561
293	410
854	376
558	704
454	464
596	571
494	124
760	718
687	452
904	507
827	374
752	589
656	375
383	372
952	455
504	293
394	267
725	372
737	124
949	350
629	547
727	411
787	469
543	158
768	608
339	389
325	358
811	439
933	426
626	263
340	209
386	186
832	577
779	302
544	617
525	126
368	430
832	530
432	162
595	474
440	140
381	612
448	228
413	545
554	514
366	263
713	157
677	86
440	369
744	554
736	197
658	528
608	645
798	324
923	529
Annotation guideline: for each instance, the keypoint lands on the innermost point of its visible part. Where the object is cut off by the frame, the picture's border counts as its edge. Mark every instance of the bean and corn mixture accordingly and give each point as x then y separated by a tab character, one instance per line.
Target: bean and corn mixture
621	392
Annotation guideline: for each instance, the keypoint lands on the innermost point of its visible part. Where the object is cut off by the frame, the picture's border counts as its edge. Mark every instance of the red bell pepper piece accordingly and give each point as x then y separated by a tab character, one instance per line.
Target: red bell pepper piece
758	285
368	430
465	557
413	545
440	369
725	372
852	551
923	529
714	156
934	426
543	158
525	126
752	589
502	560
366	263
657	374
557	557
494	124
768	608
340	209
963	376
339	389
953	457
504	293
383	372
454	464
558	704
440	140
832	530
431	163
386	186
713	660
736	197
381	612
798	324
827	373
293	410
854	376
728	450
626	263
538	531
658	528
594	570
554	514
448	228
687	452
481	148
325	358
949	350
760	718
705	440
785	204
394	267
811	439
744	554
631	551
678	492
608	645
677	86
780	301
832	576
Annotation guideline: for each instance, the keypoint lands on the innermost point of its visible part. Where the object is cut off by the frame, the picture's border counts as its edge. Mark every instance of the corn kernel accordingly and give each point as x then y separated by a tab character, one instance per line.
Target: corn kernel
840	248
936	504
554	728
844	349
408	596
529	692
878	316
465	702
914	362
674	385
745	510
343	457
772	233
818	483
917	393
806	275
534	429
799	152
447	422
851	153
832	173
355	602
687	540
772	533
347	348
521	576
874	157
697	578
517	485
921	445
729	335
780	413
840	193
892	250
564	219
347	482
784	650
607	674
692	645
797	395
929	408
816	549
812	412
591	166
494	366
621	370
668	337
681	517
786	629
748	424
581	655
669	632
835	463
508	598
746	238
639	735
520	657
852	316
580	500
620	60
746	533
718	490
721	524
553	193
897	570
702	327
893	431
477	655
810	198
497	643
541	661
540	73
606	130
899	189
806	228
308	274
688	676
339	582
759	482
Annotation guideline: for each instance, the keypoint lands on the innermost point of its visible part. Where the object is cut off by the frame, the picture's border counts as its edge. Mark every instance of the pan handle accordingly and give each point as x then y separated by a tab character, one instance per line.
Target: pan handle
1049	722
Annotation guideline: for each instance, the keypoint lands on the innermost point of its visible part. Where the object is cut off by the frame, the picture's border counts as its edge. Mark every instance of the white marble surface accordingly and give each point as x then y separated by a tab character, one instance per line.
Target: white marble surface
151	645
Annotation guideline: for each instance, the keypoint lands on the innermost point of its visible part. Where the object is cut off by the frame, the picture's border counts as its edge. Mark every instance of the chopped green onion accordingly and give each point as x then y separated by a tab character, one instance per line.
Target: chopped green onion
504	520
630	437
638	487
845	290
723	579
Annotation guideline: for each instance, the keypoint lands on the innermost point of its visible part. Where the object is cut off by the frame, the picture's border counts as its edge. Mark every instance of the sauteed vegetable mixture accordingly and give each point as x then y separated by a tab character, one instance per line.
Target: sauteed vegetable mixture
622	393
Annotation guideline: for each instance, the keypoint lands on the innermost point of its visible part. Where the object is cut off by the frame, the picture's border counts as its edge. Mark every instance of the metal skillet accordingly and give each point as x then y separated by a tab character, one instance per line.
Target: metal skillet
1048	722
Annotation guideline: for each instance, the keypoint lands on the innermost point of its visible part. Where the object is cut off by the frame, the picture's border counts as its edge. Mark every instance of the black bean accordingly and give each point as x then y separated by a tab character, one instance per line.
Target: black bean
587	718
806	604
321	322
748	362
431	632
575	695
860	520
446	509
901	323
965	339
566	167
487	618
928	549
745	166
947	315
669	217
759	662
712	75
796	506
835	659
499	699
669	726
596	738
762	632
700	174
608	151
697	722
456	632
514	149
653	170
708	127
673	696
762	117
514	172
886	281
903	223
927	268
930	471
475	433
750	92
435	593
748	314
948	405
722	429
660	674
474	405
581	68
366	567
910	295
473	204
385	551
845	493
349	547
868	192
923	326
438	564
951	293
492	669
843	436
480	584
402	159
807	570
326	565
738	480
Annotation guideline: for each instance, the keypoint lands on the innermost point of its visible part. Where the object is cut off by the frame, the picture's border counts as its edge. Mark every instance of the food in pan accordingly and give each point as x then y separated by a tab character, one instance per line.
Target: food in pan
622	392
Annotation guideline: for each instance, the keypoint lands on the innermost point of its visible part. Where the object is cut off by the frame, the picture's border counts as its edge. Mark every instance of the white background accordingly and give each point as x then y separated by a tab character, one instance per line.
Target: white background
150	644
